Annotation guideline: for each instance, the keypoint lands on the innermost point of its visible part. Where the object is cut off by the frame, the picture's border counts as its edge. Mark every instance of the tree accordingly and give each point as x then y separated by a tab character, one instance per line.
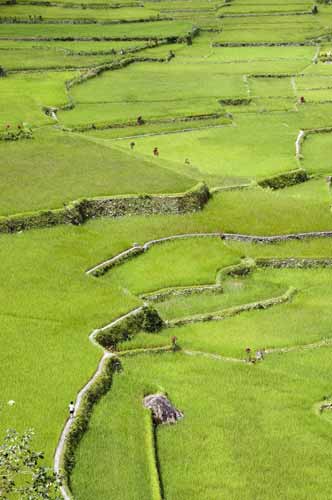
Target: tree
21	474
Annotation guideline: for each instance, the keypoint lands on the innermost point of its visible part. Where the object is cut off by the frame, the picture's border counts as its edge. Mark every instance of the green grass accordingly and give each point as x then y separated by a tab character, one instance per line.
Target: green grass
263	147
54	168
201	51
272	29
123	113
35	59
235	292
27	55
22	97
43	272
262	432
24	12
283	325
255	424
119	95
87	47
265	7
315	151
169	83
193	262
55	31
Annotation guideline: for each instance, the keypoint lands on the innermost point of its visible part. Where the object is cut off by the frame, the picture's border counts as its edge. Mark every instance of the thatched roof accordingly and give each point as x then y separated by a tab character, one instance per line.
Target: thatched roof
163	412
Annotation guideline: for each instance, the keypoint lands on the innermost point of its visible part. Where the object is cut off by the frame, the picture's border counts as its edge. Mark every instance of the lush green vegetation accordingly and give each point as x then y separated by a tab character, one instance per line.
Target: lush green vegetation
261	432
221	101
78	167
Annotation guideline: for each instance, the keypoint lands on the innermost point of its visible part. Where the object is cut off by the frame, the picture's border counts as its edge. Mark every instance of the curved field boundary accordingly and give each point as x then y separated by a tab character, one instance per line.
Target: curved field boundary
216	357
245	267
70	435
135	250
275	350
61	447
303	134
233	311
300	347
298	143
72	432
93	72
164	294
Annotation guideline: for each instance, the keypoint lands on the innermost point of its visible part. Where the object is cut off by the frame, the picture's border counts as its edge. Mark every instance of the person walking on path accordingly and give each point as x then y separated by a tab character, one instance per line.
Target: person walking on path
259	355
71	409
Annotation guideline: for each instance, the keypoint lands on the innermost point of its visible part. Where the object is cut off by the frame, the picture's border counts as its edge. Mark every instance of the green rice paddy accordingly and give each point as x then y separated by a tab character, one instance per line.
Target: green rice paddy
217	89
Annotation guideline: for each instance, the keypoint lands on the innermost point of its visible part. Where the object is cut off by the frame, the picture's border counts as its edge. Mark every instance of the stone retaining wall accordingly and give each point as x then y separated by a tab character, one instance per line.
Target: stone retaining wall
294	263
162	295
15	20
264	44
276	239
233	311
79	211
287	179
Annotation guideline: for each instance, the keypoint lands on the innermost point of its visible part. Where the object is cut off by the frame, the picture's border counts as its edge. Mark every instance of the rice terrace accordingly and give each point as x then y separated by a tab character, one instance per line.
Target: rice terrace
166	249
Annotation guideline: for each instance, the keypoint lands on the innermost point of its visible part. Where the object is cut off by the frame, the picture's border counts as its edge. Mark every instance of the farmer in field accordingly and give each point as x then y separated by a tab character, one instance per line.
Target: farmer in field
140	121
71	409
132	145
248	354
329	182
156	152
302	99
174	343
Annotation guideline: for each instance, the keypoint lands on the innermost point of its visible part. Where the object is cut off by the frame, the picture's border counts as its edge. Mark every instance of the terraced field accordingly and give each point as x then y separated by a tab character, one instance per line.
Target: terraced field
165	205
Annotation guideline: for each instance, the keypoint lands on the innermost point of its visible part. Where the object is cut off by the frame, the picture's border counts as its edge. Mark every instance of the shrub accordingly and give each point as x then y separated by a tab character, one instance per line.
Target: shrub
152	322
14	134
284	180
146	319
